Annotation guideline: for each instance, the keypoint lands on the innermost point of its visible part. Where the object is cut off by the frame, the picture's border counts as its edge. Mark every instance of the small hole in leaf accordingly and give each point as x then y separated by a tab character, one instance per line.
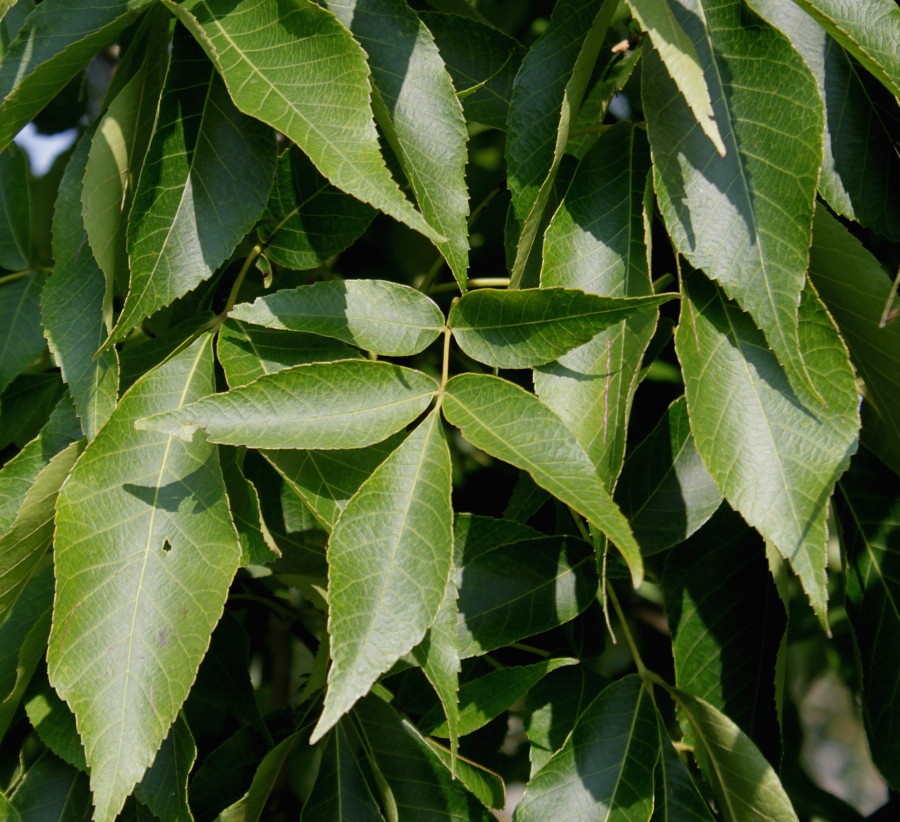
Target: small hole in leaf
166	547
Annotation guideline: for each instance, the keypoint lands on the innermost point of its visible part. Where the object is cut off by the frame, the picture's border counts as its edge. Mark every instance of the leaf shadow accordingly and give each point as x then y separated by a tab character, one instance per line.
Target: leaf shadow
199	486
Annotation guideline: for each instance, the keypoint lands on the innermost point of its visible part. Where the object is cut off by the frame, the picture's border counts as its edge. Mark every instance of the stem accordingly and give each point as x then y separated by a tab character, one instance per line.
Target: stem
661	282
239	280
892	295
445	363
16	275
629	639
521	646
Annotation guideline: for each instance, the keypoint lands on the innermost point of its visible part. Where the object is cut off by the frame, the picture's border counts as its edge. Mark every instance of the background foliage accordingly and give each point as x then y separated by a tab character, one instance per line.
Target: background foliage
405	401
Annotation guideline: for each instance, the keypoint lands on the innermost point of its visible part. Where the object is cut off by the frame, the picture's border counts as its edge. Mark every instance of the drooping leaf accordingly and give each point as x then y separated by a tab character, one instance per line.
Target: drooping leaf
378	315
290	85
486	785
21	341
418	111
18	475
775	460
307	220
547	91
482	62
164	786
438	657
72	305
420	784
553	706
605	768
868	504
340	793
665	490
205	183
677	52
514	583
746	786
14	228
140	596
512	425
257	545
23	641
51	718
596	242
327	480
29	536
676	798
869	31
118	148
480	700
52	790
389	559
713	583
856	289
342	404
247	352
860	166
744	219
50	49
250	806
528	327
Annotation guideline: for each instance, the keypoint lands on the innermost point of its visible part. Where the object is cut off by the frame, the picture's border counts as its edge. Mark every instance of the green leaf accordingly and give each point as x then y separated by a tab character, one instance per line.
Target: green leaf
482	62
870	31
676	796
307	220
72	306
23	642
856	289
14	204
51	718
775	460
744	218
257	545
21	341
420	783
746	786
868	505
29	536
528	327
514	582
380	316
486	785
205	183
52	791
857	183
118	148
20	472
250	806
164	786
247	352
416	106
389	559
546	95
327	480
343	404
712	583
605	769
290	85
27	405
677	52
480	700
340	793
665	490
140	596
553	706
438	657
597	242
50	49
512	425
